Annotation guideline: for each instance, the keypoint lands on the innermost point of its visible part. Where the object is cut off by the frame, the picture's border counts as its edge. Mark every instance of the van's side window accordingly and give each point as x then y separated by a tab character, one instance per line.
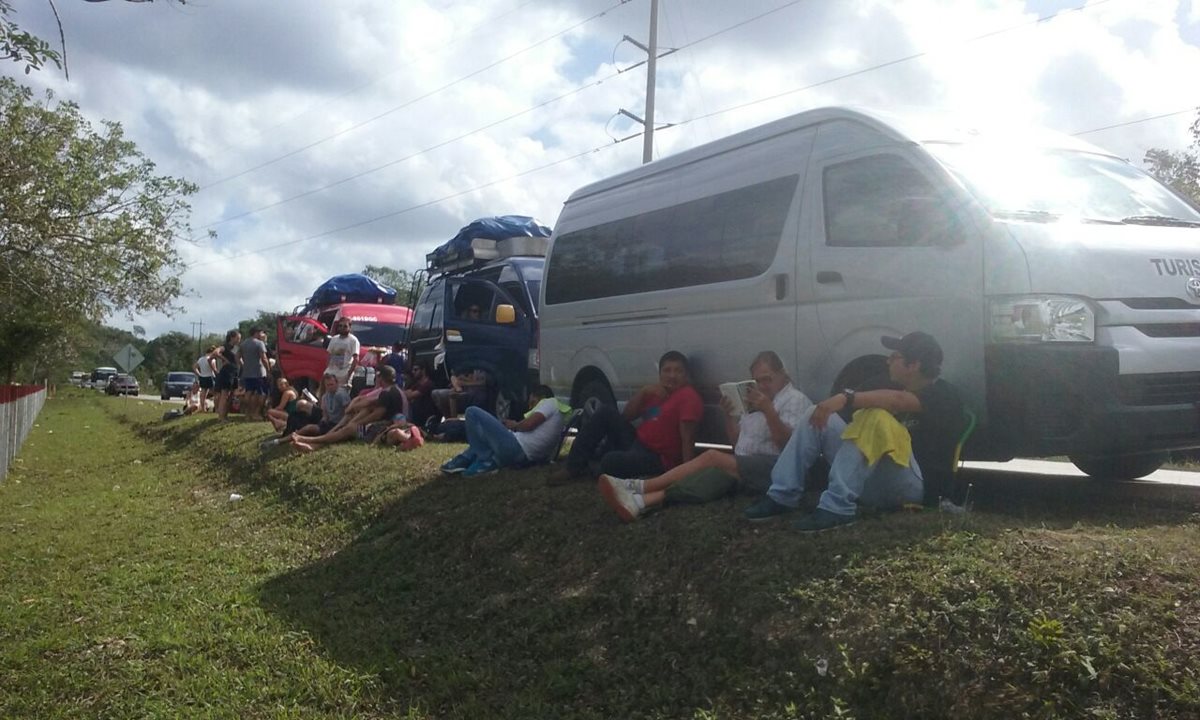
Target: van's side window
423	319
881	201
730	236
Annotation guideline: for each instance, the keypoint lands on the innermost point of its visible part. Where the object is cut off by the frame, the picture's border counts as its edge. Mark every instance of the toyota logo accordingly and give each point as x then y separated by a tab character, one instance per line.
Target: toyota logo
1193	287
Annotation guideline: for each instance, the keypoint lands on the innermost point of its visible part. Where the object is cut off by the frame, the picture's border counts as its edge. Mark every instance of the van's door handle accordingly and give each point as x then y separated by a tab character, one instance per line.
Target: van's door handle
828	277
781	286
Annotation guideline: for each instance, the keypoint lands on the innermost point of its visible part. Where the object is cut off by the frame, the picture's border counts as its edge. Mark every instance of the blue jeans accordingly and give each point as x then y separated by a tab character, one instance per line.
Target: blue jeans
884	485
488	439
851	481
805	446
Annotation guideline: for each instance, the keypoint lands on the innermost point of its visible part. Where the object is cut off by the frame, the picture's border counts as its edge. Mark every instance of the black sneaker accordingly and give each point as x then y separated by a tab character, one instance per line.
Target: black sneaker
822	520
765	508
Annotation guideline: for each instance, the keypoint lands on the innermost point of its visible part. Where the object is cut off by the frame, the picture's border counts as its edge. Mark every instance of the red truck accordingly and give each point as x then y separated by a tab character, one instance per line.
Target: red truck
303	337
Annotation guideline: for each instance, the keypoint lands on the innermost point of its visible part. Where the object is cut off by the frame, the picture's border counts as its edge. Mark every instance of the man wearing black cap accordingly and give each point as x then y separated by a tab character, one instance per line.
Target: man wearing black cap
904	457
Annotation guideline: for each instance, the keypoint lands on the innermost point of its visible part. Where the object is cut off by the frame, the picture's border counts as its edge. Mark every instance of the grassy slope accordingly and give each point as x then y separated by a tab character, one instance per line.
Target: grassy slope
355	582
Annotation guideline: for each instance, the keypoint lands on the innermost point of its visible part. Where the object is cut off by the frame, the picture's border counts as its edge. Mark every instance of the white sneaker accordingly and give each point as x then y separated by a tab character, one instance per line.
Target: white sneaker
619	498
632	485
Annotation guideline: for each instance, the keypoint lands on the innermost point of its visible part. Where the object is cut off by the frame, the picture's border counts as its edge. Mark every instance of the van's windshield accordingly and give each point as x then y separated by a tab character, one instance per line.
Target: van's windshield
376	334
1038	184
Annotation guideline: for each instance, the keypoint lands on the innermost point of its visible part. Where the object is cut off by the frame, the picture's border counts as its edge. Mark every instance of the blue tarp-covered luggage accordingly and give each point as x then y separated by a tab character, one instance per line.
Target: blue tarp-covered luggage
500	227
352	288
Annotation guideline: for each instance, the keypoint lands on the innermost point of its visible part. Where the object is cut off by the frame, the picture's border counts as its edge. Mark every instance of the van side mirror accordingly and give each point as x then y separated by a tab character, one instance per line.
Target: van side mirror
927	221
506	315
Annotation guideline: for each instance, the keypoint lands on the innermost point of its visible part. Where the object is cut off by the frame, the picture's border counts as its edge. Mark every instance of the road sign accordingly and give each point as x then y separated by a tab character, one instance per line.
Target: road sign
128	358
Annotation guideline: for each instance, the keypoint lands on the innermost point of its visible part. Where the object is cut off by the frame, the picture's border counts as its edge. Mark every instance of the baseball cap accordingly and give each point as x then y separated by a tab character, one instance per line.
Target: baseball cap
917	347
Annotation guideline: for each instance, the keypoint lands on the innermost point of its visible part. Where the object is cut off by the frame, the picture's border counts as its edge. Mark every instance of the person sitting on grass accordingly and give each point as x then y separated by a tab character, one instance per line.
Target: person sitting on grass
900	450
403	435
774	408
668	412
493	444
284	405
325	416
467	389
365	424
419	392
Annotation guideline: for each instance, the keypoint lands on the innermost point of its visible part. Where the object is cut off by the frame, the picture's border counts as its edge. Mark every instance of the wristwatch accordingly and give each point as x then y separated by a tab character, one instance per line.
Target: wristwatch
849	393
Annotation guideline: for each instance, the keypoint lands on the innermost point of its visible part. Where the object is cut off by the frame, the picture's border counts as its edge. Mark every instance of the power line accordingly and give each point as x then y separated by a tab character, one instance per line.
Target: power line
411	208
1135	122
897	61
539	168
482	128
732	108
415	154
482	25
415	100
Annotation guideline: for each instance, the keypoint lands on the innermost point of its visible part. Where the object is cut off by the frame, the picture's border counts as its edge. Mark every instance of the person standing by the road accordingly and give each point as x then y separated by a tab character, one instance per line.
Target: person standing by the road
227	374
343	352
256	373
205	369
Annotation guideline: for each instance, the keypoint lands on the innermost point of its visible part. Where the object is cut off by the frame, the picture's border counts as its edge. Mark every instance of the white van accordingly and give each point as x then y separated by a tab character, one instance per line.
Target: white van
1062	282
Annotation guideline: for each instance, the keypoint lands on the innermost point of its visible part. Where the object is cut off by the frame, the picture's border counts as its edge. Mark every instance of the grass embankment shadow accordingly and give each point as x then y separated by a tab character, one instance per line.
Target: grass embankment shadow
499	597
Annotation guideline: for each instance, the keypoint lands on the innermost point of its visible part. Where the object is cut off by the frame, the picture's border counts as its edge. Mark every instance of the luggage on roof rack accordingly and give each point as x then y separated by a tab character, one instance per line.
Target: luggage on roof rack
351	288
490	238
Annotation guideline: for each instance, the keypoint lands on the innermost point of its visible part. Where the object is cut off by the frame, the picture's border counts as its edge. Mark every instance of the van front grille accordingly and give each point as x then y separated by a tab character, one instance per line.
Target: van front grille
1163	303
1160	388
1170	330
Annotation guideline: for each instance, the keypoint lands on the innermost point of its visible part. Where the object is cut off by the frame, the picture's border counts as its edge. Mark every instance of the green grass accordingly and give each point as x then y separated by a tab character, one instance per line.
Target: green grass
356	582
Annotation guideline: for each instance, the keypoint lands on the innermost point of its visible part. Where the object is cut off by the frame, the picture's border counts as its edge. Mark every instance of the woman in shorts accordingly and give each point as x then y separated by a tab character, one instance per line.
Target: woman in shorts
227	375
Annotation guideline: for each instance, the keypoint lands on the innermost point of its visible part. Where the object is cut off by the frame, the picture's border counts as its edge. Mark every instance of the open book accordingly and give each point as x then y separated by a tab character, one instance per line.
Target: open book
738	394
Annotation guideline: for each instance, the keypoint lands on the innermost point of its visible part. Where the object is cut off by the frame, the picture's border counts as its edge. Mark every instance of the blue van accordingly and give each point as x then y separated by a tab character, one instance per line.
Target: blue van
479	309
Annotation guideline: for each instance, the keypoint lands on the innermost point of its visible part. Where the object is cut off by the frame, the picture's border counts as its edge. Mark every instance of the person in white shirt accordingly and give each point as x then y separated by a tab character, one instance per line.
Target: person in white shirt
775	408
343	352
205	372
492	444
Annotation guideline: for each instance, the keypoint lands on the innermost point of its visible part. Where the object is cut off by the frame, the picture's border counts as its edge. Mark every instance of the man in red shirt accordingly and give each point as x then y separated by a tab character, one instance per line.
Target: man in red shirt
669	412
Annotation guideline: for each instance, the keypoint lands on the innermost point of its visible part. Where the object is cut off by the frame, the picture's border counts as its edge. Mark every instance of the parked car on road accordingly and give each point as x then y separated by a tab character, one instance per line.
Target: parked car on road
122	384
177	384
79	378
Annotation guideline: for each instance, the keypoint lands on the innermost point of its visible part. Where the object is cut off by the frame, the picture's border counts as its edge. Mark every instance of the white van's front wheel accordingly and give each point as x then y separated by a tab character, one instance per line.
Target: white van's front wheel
1119	467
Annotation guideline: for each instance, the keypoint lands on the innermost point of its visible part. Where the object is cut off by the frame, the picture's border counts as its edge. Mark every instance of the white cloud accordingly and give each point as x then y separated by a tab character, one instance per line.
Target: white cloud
209	91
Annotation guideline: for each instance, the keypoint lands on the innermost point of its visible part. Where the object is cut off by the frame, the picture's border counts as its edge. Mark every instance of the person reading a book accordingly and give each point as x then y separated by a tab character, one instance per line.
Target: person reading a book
759	422
667	413
897	450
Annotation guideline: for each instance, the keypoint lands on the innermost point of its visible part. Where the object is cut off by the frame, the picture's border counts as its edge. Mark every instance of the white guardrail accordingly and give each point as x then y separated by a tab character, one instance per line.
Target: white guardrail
19	407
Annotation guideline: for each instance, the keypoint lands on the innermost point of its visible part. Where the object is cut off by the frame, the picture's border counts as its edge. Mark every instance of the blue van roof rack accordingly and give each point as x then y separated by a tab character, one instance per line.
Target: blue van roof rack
482	251
490	238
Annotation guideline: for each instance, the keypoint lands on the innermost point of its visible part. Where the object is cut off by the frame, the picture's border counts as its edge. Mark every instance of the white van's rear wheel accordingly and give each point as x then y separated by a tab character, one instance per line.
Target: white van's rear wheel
1119	467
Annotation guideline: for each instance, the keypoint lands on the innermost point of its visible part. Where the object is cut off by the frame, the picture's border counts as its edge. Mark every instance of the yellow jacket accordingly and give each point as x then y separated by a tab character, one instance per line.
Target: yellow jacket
877	432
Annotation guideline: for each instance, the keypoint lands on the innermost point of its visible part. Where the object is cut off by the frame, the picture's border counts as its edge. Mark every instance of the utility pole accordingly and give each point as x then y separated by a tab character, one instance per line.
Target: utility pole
651	67
652	56
199	336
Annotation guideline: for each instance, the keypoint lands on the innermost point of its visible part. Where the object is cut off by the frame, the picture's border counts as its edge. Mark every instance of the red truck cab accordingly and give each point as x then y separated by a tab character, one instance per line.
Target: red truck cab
303	337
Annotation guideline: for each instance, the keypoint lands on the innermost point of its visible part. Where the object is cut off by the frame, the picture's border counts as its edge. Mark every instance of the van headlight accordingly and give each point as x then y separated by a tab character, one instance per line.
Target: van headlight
1042	318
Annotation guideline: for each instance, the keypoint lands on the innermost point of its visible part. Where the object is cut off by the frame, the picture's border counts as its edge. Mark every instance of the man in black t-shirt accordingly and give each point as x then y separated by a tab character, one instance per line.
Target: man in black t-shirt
912	449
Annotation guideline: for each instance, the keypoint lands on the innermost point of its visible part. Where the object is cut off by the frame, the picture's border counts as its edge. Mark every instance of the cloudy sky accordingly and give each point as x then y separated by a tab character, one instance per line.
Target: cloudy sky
326	135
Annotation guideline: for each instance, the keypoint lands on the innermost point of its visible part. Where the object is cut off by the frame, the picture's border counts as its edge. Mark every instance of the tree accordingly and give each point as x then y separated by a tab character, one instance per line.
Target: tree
1180	170
86	227
399	280
21	47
